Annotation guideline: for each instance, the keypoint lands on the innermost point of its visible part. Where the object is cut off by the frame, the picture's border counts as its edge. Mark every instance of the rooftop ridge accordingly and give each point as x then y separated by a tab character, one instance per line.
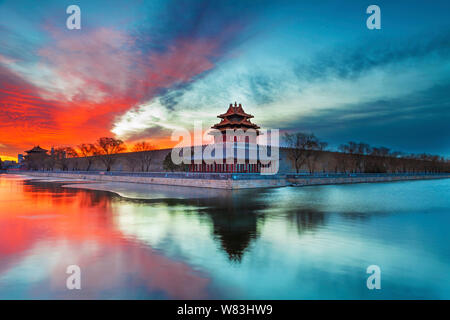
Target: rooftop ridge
235	118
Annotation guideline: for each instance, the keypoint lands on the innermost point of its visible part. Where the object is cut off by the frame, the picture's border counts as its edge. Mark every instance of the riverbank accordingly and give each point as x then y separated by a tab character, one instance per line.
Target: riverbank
299	180
231	180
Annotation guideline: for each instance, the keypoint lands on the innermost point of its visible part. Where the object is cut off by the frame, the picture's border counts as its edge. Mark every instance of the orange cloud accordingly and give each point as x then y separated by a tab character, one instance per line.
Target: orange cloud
94	78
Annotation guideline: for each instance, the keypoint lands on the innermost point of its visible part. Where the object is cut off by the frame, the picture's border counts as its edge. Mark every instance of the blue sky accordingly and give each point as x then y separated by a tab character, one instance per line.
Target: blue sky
139	69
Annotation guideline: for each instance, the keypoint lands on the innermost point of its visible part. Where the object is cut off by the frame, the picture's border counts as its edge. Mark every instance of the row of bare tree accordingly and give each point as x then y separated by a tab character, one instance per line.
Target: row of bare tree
104	150
305	151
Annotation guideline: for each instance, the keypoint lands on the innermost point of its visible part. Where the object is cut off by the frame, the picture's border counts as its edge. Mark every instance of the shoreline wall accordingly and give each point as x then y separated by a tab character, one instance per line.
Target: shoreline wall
299	181
228	183
233	181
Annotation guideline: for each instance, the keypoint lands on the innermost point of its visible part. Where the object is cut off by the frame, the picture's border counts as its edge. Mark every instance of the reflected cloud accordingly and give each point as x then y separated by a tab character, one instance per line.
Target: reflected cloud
64	226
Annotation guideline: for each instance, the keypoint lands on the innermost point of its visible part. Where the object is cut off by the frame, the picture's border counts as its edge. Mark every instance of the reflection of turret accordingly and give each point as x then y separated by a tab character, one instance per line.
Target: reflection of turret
237	215
235	232
235	220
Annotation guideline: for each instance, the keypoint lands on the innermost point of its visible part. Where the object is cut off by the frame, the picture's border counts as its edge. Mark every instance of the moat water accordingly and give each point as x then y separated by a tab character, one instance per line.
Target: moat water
282	243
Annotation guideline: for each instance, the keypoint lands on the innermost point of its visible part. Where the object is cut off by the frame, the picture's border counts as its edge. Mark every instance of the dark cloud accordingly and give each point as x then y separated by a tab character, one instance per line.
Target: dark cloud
351	62
220	24
170	98
262	89
416	123
155	132
198	19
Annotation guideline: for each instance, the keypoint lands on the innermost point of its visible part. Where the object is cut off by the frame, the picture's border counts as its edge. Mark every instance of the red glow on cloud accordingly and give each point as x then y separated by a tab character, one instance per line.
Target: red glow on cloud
96	77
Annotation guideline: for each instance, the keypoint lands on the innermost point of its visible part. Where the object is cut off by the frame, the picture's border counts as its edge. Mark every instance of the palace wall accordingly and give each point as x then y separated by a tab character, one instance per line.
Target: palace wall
124	162
320	161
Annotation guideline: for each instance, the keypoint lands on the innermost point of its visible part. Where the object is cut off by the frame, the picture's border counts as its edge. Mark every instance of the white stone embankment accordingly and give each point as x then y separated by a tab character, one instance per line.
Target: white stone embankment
241	183
299	181
187	182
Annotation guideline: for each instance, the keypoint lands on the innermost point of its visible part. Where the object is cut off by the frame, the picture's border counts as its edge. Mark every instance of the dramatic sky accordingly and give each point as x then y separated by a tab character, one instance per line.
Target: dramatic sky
140	69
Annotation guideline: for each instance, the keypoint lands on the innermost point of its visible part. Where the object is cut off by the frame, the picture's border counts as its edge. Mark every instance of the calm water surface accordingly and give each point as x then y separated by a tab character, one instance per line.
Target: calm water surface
284	243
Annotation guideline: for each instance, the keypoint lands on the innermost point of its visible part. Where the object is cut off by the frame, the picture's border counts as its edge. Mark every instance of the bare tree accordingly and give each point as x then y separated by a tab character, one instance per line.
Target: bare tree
350	160
61	156
363	158
380	151
168	164
313	152
296	143
362	150
143	155
107	148
355	159
88	151
131	162
302	148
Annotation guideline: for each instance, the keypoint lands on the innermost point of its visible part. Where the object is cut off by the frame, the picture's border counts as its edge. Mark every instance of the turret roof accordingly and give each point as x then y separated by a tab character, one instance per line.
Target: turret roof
36	149
235	118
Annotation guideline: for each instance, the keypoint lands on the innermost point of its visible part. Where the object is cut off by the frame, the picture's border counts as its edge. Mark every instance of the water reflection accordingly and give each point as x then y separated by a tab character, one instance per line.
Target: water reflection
289	243
235	220
59	227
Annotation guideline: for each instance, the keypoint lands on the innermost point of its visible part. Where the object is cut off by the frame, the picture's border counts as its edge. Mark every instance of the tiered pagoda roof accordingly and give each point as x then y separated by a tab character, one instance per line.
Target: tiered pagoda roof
37	149
235	118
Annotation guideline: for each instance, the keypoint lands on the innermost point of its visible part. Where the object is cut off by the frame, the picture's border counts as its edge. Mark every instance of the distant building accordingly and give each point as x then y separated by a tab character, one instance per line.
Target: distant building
20	158
36	150
35	158
8	164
